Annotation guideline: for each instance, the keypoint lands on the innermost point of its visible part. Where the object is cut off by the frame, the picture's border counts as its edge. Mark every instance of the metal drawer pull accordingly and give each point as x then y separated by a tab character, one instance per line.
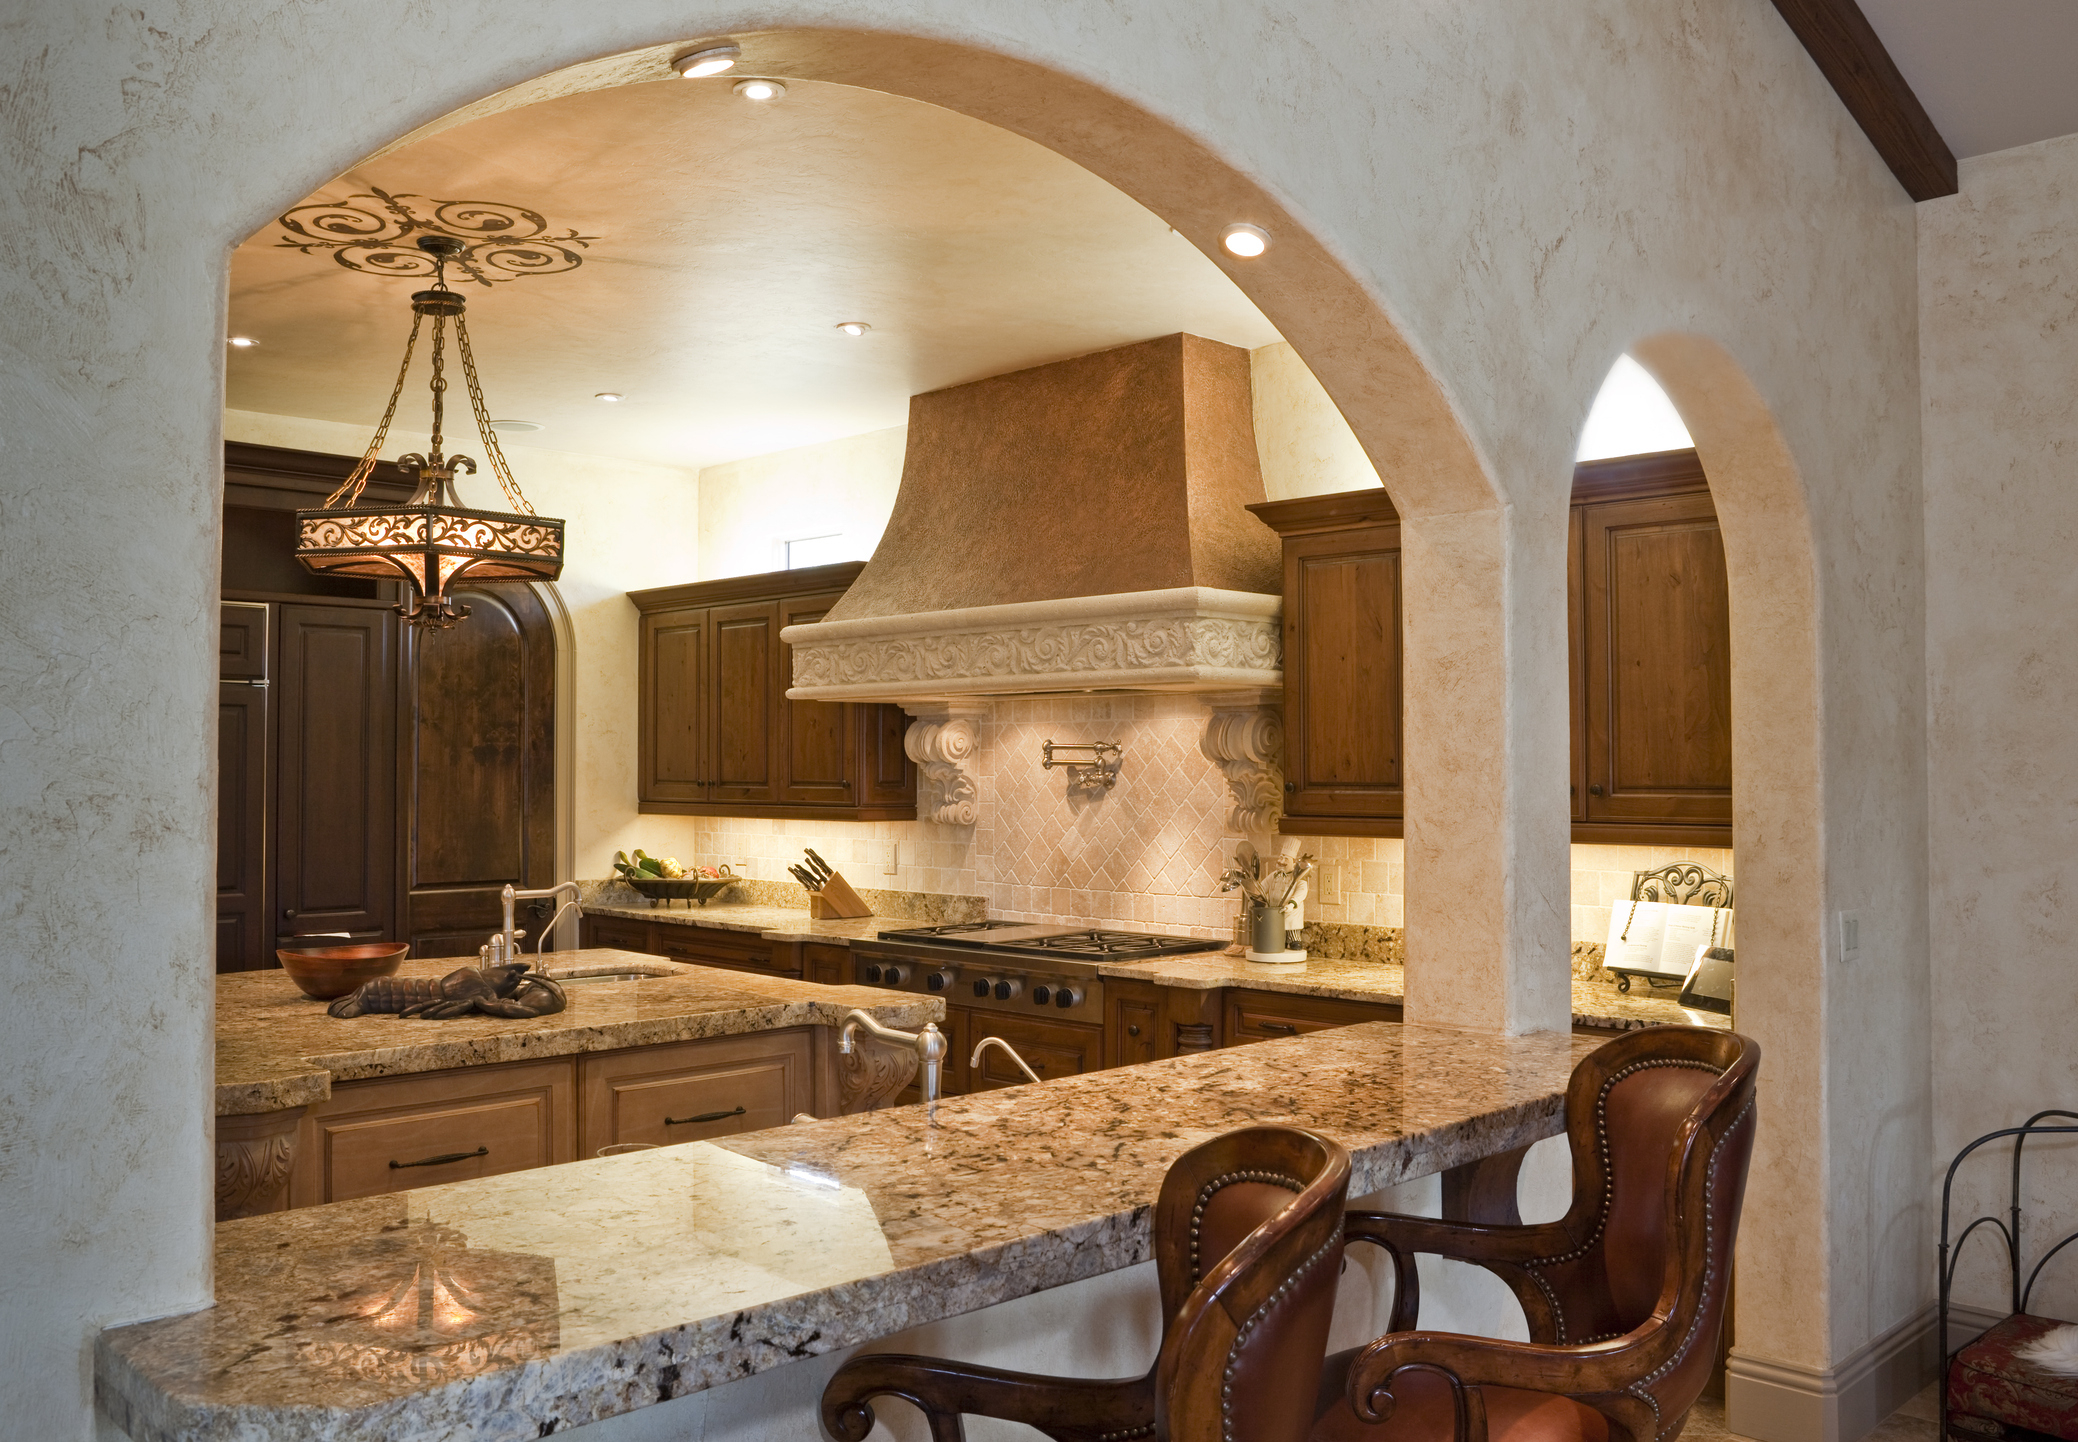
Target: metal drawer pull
1282	1028
441	1161
703	1117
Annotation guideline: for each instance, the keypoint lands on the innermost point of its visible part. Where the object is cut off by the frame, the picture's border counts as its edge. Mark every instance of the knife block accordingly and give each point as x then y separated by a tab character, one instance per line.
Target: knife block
837	901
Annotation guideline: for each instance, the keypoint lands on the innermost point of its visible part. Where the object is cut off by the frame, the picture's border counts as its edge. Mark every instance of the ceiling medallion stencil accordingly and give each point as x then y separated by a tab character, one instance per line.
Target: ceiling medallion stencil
377	232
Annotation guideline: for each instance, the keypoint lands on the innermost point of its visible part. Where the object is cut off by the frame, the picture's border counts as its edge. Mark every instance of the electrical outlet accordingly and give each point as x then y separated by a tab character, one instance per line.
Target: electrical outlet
1327	880
890	856
1850	936
741	866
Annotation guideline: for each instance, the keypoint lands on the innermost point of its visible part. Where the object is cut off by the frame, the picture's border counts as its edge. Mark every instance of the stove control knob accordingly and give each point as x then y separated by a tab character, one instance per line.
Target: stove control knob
1067	996
893	975
1041	995
1008	987
981	986
938	980
872	972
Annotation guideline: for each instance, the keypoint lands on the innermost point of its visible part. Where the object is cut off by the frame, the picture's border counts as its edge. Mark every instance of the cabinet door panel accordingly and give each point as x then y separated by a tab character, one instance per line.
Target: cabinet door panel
1132	1023
618	934
1658	631
244	724
890	776
746	656
674	721
694	1090
1265	1015
1050	1048
830	965
1342	705
703	946
818	740
336	771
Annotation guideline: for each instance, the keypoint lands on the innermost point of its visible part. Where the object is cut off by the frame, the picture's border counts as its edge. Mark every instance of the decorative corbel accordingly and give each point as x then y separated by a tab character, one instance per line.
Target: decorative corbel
1245	739
942	740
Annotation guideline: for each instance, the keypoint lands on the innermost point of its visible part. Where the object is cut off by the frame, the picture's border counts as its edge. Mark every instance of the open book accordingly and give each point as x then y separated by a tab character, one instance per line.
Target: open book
1657	938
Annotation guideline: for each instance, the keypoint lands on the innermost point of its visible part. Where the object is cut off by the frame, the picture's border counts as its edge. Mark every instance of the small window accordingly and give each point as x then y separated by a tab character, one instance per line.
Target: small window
818	551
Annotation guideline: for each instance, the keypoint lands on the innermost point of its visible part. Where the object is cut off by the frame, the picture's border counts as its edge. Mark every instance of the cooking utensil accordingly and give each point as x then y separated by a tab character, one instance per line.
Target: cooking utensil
823	870
1299	873
806	877
1246	856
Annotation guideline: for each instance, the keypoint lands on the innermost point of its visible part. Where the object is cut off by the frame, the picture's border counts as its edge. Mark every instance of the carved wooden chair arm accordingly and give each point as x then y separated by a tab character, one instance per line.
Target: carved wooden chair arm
1594	1374
1066	1409
1501	1249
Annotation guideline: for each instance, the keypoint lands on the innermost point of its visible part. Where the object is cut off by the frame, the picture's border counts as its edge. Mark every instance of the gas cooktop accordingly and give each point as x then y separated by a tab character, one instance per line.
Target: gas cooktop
1081	942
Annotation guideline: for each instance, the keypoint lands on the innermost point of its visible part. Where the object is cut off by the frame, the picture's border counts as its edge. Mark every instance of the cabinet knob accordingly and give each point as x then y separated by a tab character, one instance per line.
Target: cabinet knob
1291	786
1132	1031
1594	790
288	913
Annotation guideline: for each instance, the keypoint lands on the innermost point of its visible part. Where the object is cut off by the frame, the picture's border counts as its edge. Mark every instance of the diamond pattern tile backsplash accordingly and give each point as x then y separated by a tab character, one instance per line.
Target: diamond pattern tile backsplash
1145	855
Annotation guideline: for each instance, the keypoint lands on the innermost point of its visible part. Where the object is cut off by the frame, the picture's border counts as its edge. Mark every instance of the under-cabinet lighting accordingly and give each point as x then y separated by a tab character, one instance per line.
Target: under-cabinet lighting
243	342
760	89
853	327
1245	240
711	60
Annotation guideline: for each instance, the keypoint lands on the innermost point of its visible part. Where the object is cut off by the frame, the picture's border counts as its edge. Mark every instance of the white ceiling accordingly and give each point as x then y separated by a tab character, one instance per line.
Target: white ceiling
1993	74
729	240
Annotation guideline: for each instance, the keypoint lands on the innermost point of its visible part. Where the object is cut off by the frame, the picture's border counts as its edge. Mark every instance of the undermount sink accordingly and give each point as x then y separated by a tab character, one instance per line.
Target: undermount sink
581	975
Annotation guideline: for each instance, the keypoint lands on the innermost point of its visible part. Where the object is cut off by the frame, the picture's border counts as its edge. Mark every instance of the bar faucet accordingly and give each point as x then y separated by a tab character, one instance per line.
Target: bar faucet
504	944
1008	1050
929	1045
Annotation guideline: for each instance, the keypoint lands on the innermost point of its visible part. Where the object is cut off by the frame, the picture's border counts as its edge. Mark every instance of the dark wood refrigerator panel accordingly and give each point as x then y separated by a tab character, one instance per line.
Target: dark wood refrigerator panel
746	652
336	771
674	718
818	740
244	726
478	731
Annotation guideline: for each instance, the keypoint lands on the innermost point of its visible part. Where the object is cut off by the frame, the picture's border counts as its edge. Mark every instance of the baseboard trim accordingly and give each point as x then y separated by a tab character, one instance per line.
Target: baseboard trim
1786	1402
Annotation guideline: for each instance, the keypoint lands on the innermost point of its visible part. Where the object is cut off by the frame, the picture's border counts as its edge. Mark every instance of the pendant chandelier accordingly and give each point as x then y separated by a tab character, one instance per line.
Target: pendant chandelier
432	542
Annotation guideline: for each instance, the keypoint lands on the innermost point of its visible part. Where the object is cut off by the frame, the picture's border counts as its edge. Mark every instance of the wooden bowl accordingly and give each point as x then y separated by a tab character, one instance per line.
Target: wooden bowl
327	972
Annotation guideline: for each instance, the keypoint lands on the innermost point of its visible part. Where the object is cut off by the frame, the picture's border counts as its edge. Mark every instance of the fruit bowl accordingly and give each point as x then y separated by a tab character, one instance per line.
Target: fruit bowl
327	972
684	888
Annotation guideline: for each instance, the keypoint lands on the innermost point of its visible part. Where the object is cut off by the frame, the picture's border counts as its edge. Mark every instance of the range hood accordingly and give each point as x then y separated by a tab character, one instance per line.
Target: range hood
1079	526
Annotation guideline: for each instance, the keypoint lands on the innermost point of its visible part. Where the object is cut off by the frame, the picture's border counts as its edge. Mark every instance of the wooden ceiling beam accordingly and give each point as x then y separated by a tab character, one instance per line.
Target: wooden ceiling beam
1852	58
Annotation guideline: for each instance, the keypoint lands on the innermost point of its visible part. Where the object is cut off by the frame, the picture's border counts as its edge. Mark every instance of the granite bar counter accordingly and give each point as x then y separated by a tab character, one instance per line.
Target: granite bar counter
277	1049
579	1292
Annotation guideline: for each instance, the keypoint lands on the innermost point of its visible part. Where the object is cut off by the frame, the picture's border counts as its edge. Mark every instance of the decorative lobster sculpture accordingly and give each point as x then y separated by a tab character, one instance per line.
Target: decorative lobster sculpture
515	991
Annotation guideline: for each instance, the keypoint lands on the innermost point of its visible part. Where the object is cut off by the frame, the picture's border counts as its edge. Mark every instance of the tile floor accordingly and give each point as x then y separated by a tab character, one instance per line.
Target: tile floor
1916	1421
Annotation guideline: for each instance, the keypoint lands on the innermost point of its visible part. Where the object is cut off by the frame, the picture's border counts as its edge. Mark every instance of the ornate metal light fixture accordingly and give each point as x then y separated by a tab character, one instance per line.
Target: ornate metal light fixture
432	542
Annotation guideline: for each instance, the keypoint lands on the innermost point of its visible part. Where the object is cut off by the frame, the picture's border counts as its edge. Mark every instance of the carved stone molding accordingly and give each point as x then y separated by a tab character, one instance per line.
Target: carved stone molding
942	741
1191	638
873	1075
1245	739
254	1156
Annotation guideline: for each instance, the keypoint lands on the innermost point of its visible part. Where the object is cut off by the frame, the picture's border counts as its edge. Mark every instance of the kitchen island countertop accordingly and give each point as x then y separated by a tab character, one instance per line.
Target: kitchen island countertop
601	1287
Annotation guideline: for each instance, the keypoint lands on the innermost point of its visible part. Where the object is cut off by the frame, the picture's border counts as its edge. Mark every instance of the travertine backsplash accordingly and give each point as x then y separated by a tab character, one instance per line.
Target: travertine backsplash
1146	854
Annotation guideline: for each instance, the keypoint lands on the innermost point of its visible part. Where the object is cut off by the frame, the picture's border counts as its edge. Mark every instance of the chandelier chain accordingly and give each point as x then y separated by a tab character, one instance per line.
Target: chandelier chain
439	384
492	453
349	492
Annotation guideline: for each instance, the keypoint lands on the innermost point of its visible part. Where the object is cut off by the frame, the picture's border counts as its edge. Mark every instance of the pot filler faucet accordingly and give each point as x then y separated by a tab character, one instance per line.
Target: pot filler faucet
504	944
929	1045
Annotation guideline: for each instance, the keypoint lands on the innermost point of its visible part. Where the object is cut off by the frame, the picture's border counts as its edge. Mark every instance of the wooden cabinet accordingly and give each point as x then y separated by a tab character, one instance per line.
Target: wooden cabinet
717	734
1267	1015
617	933
243	735
1050	1048
1146	1022
697	945
396	1133
1342	663
1649	652
1653	721
829	965
690	1091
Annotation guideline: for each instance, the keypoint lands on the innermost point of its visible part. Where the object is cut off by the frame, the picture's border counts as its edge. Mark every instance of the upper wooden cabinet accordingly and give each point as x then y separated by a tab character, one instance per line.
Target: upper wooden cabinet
1342	759
718	736
1649	651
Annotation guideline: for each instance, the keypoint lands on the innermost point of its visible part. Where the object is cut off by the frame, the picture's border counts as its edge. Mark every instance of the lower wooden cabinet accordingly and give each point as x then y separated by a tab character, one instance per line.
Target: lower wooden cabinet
1146	1022
617	933
690	1091
698	945
1267	1015
830	965
395	1133
1050	1048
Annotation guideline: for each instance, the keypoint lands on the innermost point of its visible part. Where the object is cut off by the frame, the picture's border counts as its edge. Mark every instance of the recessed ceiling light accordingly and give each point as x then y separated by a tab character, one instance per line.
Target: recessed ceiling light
1245	240
853	327
515	426
243	342
760	89
710	60
608	396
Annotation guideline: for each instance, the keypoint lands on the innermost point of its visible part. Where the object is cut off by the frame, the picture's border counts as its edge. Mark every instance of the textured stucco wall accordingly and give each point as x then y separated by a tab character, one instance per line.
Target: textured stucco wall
1524	191
1999	330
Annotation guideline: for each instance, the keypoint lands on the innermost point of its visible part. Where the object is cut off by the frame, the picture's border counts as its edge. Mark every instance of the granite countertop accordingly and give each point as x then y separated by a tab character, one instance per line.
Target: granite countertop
582	1291
775	923
276	1048
1595	1003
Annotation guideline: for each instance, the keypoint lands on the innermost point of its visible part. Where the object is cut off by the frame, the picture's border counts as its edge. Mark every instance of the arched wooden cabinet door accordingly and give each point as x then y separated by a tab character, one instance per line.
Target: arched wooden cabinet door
477	769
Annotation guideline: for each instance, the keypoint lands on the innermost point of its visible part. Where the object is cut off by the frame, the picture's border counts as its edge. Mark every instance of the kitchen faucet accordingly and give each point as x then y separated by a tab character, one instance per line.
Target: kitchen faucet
929	1045
504	945
1008	1050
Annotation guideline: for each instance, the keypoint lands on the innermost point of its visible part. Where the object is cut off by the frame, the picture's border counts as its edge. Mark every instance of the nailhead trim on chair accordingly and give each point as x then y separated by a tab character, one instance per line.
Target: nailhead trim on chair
1205	1194
1558	1312
1284	1290
1638	1388
1147	1431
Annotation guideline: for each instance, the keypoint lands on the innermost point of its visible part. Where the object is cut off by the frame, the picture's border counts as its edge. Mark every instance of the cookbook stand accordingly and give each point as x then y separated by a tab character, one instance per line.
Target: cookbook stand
1680	883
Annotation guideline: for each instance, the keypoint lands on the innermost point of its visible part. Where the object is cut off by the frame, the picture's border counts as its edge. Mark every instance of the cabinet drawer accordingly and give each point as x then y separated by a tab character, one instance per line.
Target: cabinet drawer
1266	1015
689	1091
618	933
736	950
1050	1048
396	1134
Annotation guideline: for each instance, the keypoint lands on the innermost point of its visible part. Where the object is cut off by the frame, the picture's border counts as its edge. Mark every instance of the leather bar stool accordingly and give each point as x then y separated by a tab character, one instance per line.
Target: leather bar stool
1625	1294
1248	1249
